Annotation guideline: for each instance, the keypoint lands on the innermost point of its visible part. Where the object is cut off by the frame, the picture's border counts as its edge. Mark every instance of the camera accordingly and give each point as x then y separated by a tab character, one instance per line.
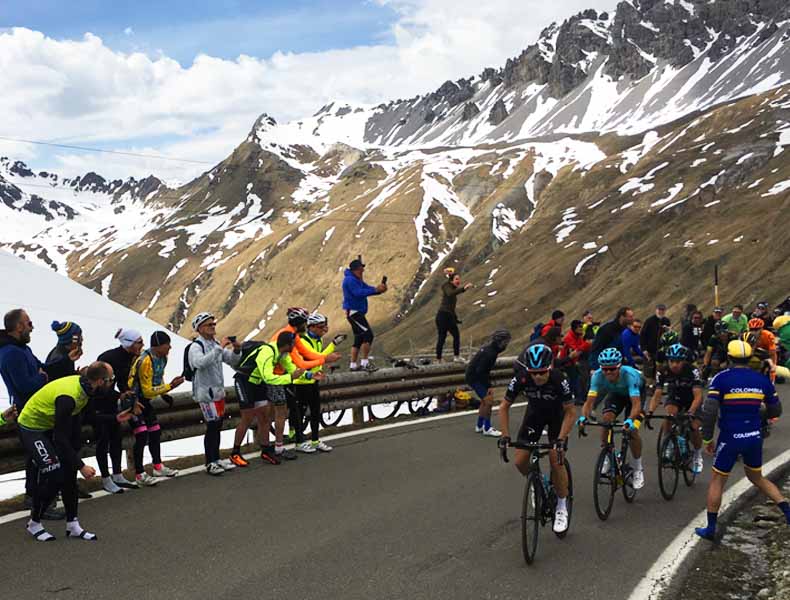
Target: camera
384	280
232	338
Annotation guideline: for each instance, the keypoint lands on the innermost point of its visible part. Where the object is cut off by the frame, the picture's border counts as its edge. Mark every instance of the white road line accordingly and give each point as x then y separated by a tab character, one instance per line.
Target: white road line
338	436
665	568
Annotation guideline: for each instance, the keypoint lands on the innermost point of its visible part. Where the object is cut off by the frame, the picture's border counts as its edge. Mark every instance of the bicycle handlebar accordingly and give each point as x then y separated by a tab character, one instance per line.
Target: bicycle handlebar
503	446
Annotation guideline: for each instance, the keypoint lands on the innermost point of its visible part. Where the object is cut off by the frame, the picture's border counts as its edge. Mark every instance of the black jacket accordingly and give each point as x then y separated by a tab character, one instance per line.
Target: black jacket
121	362
479	368
58	363
651	333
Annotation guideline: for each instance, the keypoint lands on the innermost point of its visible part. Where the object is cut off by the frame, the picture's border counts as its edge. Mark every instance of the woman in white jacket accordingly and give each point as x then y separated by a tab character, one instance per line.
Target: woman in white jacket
206	356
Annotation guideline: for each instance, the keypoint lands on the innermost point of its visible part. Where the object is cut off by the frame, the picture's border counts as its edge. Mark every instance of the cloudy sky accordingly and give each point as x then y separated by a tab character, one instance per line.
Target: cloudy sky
187	78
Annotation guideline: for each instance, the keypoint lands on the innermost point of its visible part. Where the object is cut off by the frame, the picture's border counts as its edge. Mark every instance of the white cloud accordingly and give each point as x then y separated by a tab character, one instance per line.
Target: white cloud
82	91
128	31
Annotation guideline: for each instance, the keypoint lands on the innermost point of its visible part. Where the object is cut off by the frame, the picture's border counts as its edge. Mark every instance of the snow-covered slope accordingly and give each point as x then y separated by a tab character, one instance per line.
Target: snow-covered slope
48	296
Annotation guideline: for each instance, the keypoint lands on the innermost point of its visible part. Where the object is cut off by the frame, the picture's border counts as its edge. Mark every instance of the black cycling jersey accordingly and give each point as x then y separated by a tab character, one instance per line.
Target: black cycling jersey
555	394
718	348
680	387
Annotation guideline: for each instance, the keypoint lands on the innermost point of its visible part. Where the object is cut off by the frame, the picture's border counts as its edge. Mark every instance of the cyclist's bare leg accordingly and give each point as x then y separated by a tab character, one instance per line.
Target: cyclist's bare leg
559	476
263	420
696	434
608	417
521	461
764	485
636	444
247	415
672	411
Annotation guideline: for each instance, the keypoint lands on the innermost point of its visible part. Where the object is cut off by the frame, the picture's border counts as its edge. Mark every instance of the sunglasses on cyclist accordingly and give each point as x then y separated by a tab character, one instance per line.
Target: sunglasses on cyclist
538	372
609	369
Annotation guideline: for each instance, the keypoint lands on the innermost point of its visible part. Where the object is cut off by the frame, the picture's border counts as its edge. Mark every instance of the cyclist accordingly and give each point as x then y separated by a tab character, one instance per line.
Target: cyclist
669	337
550	406
478	377
684	394
735	396
716	352
763	343
624	388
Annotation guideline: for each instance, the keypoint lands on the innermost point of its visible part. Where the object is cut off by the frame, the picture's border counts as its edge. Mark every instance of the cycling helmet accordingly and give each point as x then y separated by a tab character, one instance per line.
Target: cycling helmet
537	357
720	327
610	357
677	352
756	324
297	316
669	337
739	349
781	321
200	319
316	318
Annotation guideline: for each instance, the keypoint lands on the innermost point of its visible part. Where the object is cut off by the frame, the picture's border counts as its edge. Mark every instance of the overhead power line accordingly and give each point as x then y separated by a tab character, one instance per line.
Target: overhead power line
119	152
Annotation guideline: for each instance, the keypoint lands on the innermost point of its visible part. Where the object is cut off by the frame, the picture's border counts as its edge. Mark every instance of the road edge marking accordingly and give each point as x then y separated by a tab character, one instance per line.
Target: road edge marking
664	569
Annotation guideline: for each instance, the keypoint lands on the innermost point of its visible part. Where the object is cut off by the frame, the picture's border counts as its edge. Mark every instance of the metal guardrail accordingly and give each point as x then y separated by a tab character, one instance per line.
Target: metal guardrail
339	391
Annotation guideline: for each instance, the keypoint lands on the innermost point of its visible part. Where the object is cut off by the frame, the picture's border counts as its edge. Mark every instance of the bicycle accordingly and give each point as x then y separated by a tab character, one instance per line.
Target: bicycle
540	497
618	475
674	455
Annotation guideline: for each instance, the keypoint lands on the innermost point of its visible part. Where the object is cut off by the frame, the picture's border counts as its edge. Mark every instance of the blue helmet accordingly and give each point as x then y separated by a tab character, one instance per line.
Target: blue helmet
537	357
610	357
677	352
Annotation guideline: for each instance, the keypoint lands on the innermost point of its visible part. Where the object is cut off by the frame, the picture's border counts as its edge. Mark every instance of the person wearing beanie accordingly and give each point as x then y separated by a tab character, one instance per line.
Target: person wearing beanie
105	407
446	317
355	303
557	319
147	381
206	356
61	359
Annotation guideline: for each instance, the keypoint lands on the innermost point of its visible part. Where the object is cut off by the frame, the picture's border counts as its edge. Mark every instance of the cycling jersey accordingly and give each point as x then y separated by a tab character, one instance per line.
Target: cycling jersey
546	407
736	395
718	348
39	412
680	387
630	383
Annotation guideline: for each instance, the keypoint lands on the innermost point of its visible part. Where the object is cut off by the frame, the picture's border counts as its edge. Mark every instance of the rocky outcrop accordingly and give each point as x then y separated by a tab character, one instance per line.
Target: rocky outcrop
498	113
470	111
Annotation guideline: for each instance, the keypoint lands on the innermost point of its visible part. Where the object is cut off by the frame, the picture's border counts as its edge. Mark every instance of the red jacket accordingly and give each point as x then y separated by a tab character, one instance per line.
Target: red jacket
572	342
548	326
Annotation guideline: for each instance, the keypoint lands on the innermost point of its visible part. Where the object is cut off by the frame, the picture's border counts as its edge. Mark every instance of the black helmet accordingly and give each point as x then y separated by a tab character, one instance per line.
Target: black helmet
537	357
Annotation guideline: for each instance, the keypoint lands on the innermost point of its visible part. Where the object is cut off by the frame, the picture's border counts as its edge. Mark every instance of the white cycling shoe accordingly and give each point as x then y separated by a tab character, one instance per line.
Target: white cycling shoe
491	432
638	480
698	465
561	521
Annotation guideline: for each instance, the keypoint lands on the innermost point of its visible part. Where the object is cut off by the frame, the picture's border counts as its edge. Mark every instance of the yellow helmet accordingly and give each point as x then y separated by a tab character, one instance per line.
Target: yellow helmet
781	321
739	349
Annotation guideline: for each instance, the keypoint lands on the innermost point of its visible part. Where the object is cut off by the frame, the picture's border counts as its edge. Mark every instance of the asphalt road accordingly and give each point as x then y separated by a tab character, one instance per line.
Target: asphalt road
422	511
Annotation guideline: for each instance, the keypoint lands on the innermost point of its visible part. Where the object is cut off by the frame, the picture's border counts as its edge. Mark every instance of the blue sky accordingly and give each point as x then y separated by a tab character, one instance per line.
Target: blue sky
182	29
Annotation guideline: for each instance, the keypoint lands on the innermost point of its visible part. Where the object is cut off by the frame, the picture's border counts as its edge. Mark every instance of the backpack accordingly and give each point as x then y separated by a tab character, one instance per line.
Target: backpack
536	332
249	353
189	372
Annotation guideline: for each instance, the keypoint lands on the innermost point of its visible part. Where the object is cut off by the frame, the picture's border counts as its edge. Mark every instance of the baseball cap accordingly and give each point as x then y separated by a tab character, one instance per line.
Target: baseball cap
356	264
718	309
762	305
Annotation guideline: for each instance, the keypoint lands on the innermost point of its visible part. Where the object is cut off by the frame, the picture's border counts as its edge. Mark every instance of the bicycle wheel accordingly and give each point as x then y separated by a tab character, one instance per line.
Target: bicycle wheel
689	476
383	411
531	511
629	492
569	500
604	484
668	467
332	418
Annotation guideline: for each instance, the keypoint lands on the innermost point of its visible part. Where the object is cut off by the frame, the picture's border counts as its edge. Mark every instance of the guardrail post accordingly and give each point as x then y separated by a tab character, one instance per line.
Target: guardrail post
358	413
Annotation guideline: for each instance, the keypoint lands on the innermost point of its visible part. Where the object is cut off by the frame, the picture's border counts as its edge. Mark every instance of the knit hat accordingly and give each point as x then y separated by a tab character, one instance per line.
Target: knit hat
65	331
127	337
159	338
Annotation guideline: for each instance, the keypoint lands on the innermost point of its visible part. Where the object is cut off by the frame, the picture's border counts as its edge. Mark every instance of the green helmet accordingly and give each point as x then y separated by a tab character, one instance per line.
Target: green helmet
668	338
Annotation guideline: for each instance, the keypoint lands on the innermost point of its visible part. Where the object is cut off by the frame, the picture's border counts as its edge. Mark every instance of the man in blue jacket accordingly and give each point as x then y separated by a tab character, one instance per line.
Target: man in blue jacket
23	375
630	341
355	303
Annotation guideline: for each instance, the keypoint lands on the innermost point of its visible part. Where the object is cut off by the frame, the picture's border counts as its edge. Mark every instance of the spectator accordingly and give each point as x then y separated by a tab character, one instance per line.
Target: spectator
557	319
761	311
631	348
590	327
355	303
206	356
147	380
575	350
105	408
691	335
737	322
610	334
478	377
446	318
62	358
652	329
709	325
306	387
690	310
23	375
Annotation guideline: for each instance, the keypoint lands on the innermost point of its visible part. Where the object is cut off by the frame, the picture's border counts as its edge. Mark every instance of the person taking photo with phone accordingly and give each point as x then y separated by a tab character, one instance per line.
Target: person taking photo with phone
355	303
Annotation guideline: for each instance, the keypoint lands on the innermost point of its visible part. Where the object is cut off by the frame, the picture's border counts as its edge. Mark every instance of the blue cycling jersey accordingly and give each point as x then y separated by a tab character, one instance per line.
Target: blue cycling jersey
628	384
739	393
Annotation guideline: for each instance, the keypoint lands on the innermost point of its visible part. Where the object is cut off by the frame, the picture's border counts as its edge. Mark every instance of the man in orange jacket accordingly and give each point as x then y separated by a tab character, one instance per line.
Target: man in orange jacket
304	357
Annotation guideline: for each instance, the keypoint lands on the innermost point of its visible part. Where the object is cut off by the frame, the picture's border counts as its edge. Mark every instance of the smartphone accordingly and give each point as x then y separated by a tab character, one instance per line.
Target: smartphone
232	338
384	280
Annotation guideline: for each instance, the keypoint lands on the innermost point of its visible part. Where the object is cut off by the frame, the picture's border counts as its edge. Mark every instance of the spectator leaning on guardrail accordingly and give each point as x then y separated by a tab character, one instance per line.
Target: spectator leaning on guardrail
205	357
23	375
62	358
106	427
478	377
147	380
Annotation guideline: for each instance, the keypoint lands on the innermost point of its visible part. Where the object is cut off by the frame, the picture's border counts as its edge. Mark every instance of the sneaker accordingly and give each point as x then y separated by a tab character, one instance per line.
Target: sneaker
145	480
697	465
355	368
460	359
226	464
322	447
124	483
110	486
239	460
638	480
561	521
268	455
306	447
606	466
491	432
479	429
287	455
370	367
214	469
164	471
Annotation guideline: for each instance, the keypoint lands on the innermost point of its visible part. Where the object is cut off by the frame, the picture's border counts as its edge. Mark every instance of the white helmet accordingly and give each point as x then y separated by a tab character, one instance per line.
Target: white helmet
316	318
200	319
296	315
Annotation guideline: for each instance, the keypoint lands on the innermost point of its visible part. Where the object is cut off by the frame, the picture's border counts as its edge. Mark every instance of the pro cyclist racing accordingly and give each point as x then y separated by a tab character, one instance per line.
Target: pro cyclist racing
624	388
735	397
550	406
684	394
